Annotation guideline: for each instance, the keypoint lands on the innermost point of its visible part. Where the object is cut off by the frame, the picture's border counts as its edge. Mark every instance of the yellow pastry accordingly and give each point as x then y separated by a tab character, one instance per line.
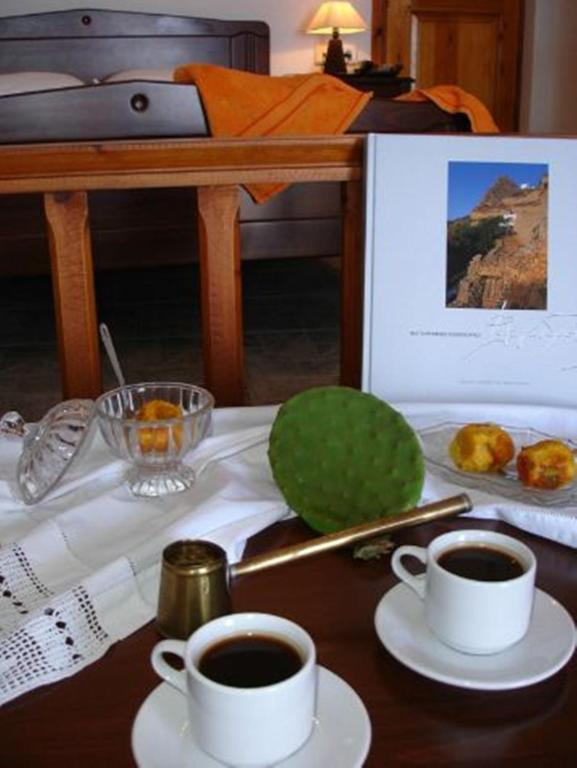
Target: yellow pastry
548	464
481	448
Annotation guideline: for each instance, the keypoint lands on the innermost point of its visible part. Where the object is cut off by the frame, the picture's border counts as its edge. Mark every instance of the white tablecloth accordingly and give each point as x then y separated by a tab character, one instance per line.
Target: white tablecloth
80	570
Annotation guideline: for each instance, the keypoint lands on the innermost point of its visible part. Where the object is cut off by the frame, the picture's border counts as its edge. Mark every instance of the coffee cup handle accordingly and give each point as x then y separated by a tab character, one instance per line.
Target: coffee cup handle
174	677
417	583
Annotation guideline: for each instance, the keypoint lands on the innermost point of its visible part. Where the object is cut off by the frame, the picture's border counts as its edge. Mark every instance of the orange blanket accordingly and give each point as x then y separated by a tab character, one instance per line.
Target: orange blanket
453	99
242	104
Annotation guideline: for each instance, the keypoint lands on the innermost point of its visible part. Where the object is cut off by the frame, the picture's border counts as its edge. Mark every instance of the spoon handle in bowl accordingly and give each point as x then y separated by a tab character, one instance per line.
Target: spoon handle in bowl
111	352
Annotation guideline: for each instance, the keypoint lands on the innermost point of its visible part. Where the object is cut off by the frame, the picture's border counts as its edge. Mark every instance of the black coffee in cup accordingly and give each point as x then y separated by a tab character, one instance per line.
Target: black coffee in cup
481	563
250	661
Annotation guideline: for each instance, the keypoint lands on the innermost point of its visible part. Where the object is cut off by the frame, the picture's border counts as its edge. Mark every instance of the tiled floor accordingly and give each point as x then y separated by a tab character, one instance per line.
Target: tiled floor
291	316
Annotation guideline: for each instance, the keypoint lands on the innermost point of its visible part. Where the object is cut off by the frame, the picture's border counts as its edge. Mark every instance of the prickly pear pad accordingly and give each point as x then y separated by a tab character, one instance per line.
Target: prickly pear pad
343	457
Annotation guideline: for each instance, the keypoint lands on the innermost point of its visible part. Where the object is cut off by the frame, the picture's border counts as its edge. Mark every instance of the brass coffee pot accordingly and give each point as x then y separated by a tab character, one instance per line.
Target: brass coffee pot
195	576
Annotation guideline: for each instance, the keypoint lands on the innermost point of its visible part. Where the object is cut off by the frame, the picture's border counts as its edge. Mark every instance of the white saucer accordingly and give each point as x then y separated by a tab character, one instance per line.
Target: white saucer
547	646
341	736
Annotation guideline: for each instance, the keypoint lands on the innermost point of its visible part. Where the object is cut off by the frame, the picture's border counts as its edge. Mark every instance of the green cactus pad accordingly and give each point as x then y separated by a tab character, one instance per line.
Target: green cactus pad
342	457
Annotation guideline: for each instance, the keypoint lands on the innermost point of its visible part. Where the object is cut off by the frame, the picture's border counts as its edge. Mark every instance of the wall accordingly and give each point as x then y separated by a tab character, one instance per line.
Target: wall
291	49
548	103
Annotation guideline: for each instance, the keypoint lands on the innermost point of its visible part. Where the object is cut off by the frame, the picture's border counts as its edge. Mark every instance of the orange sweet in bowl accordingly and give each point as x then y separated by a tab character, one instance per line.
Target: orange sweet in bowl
548	464
157	438
153	425
481	448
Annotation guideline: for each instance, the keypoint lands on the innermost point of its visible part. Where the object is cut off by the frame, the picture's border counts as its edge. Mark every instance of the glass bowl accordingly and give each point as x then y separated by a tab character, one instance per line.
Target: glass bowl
133	421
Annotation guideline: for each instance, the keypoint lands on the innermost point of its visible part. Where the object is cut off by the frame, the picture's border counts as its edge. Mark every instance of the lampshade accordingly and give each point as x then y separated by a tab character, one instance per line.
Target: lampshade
336	15
335	19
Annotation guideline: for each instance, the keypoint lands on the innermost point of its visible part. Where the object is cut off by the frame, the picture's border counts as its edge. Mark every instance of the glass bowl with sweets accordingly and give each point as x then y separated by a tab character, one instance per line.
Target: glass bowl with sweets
153	425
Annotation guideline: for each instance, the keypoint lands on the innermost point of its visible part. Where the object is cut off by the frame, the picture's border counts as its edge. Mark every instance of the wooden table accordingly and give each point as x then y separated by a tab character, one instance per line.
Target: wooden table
86	720
64	173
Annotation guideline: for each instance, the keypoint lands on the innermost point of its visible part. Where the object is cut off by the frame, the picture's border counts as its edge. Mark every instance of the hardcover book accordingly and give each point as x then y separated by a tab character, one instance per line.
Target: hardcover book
471	269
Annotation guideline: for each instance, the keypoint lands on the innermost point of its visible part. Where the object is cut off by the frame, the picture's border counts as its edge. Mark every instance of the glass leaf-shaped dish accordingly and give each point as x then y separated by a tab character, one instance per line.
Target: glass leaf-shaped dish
436	439
51	446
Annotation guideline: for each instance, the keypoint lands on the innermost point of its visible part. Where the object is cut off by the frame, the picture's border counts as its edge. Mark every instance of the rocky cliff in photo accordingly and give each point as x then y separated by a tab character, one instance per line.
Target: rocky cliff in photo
497	255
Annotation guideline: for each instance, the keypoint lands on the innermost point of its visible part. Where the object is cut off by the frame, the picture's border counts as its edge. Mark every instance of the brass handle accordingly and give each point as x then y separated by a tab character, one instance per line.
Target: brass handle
455	505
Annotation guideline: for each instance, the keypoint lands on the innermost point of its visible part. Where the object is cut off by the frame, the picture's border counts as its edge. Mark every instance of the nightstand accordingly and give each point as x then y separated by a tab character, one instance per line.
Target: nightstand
388	86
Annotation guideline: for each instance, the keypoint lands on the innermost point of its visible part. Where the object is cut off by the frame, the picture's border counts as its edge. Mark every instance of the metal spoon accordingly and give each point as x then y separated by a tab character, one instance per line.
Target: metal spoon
111	352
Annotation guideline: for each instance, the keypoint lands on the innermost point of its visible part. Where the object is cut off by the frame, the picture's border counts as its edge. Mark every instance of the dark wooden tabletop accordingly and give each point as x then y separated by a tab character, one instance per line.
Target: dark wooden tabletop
86	720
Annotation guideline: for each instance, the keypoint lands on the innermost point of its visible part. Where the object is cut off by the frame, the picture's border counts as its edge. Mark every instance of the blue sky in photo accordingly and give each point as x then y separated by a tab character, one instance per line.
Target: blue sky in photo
468	181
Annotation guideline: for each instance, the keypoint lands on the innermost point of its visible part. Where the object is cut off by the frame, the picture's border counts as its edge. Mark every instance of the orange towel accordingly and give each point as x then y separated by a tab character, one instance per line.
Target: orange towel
242	104
453	99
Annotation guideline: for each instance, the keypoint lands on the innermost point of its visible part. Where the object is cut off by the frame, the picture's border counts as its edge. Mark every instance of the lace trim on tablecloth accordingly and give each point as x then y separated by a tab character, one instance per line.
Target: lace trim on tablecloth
43	637
81	570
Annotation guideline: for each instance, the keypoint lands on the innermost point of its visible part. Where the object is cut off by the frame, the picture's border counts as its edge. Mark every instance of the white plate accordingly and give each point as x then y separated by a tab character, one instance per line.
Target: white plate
341	736
436	439
547	646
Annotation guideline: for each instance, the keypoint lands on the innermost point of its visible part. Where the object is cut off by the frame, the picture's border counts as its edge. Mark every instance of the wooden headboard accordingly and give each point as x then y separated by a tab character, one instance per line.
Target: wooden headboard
92	44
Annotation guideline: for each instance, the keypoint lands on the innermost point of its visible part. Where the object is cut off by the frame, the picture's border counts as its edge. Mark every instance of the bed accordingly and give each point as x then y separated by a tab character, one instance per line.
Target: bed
107	74
117	165
102	74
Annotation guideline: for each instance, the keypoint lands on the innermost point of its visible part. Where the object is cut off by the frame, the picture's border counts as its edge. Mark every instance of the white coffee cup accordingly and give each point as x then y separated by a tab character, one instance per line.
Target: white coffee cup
250	726
469	614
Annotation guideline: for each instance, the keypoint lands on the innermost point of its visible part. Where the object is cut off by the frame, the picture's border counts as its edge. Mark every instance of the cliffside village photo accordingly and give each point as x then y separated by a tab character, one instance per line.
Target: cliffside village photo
497	249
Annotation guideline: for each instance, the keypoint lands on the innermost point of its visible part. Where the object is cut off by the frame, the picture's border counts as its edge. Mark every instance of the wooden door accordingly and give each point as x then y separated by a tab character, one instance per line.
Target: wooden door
475	44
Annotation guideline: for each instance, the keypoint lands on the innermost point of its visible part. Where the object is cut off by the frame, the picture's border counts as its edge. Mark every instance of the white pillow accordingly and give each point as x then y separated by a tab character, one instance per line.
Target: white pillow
154	75
23	82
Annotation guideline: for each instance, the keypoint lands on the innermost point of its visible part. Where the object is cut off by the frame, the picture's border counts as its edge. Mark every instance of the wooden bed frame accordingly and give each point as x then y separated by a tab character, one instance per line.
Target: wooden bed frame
59	194
64	174
94	44
144	227
137	227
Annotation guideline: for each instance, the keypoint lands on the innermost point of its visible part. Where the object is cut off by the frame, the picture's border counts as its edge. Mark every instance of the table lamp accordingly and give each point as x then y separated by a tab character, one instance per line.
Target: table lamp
336	18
